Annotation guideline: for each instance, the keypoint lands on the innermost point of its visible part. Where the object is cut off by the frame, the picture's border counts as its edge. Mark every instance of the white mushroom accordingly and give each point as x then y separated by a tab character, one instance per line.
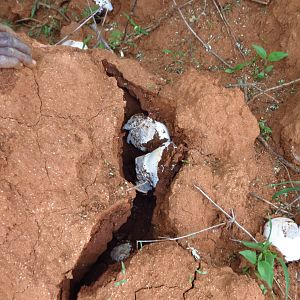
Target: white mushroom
285	236
146	167
121	252
75	44
104	4
143	130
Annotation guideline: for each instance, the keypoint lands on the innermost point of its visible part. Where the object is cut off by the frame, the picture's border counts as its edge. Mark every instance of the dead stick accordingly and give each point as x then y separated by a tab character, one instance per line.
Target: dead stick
227	25
276	88
205	45
279	157
225	213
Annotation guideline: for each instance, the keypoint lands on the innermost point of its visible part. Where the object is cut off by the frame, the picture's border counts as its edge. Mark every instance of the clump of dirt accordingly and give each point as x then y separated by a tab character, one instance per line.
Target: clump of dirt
66	172
63	193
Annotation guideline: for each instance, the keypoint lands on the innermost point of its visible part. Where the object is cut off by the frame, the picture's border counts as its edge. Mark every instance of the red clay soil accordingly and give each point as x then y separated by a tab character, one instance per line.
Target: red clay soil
63	191
61	187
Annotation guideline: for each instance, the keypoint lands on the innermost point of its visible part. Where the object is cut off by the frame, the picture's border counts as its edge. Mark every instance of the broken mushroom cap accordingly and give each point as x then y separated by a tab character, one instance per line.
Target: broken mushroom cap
284	234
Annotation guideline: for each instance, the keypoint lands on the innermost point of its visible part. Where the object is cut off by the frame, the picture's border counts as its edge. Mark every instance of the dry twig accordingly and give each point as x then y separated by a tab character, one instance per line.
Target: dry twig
277	87
207	47
279	157
231	218
228	27
164	239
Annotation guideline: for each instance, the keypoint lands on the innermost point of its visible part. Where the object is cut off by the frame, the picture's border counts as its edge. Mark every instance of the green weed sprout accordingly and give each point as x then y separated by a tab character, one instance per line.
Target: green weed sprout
137	28
122	281
260	73
265	130
263	260
285	190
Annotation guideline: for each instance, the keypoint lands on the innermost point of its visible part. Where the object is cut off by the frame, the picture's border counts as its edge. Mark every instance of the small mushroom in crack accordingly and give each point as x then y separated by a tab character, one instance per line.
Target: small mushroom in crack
106	4
75	44
284	234
147	168
145	133
121	252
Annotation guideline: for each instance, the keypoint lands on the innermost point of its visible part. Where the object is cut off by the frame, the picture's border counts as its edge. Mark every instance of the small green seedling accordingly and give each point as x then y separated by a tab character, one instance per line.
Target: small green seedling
265	130
122	281
87	40
272	57
286	190
88	11
263	260
260	72
115	39
137	28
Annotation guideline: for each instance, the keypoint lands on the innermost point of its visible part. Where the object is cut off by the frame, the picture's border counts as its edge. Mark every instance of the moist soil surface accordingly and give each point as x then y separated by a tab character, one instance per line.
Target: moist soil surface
67	174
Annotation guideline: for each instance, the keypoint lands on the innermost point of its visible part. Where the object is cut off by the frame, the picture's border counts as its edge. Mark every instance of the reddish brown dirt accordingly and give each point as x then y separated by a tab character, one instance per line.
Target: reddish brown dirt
61	165
60	200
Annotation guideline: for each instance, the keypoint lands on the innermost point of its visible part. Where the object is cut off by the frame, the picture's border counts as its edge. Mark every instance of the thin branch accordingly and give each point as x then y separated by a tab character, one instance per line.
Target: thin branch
127	23
231	219
254	195
205	45
83	22
279	157
277	87
164	239
228	27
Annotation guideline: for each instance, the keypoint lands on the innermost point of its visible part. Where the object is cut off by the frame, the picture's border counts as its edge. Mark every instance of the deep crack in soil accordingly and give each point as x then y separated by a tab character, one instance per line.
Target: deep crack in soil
139	224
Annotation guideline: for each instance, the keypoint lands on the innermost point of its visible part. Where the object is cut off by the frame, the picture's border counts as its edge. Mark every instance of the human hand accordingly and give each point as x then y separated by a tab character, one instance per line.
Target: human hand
13	52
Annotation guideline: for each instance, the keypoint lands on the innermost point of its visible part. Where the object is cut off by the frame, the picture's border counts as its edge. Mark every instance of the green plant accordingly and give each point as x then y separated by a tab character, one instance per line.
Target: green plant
115	38
122	281
265	130
86	40
263	261
260	72
285	190
137	28
7	23
88	11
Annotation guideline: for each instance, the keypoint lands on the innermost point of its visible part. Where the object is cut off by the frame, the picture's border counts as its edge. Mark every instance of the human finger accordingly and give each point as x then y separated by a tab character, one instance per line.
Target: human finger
7	62
24	58
7	40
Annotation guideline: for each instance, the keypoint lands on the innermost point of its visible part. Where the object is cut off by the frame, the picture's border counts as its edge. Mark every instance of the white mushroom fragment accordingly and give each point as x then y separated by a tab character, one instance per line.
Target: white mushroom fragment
146	167
75	44
104	4
121	252
144	130
285	236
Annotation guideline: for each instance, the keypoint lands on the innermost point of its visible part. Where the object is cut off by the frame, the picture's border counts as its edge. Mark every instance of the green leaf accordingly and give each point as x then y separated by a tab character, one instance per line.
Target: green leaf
121	282
257	246
270	258
269	68
261	75
240	66
286	277
260	51
199	271
123	268
34	8
249	255
285	191
284	182
266	272
237	68
277	56
167	51
263	289
229	71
